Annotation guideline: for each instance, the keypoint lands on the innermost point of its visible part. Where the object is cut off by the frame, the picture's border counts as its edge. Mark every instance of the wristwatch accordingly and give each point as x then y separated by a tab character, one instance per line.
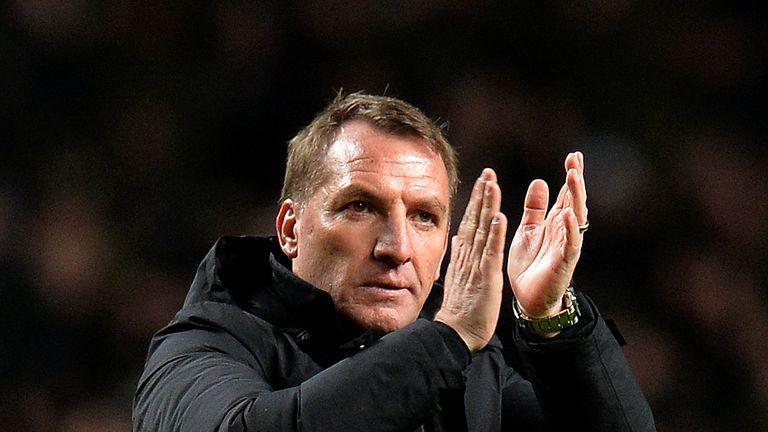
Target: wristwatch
543	326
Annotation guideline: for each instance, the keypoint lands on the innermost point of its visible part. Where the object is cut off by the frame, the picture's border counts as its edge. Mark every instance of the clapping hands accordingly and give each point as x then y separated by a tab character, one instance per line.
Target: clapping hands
541	259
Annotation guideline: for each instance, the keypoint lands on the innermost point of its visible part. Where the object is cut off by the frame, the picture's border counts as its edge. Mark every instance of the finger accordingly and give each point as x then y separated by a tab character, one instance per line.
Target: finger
573	193
494	252
582	168
572	161
457	256
573	240
491	206
489	175
536	201
493	256
563	200
469	221
578	195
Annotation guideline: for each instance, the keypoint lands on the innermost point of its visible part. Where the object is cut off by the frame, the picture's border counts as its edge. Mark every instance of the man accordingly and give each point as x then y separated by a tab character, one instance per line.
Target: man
339	322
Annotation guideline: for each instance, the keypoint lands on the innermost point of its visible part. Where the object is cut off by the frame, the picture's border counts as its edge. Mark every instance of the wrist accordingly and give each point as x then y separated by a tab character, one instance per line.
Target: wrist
550	325
472	341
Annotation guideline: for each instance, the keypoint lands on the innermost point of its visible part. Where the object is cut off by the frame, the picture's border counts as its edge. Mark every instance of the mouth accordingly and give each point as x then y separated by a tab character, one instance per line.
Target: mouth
388	287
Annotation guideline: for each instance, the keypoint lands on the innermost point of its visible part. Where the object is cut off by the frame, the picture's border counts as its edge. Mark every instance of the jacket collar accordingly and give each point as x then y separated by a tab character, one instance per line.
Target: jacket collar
253	273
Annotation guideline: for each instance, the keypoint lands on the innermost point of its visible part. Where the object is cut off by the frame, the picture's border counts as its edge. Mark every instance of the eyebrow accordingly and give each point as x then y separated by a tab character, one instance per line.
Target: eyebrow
366	194
433	204
358	192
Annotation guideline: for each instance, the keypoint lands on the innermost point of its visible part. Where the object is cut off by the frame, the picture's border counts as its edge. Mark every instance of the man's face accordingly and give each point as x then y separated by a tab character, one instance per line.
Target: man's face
374	233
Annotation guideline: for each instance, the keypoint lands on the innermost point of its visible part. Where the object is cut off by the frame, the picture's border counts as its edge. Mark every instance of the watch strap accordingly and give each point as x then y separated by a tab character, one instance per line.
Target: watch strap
555	323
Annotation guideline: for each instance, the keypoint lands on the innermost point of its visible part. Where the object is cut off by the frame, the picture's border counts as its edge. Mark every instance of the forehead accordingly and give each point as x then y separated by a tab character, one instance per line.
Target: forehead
359	150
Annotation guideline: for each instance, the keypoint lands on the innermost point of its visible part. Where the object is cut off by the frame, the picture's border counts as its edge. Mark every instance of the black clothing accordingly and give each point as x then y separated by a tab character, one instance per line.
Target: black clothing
257	348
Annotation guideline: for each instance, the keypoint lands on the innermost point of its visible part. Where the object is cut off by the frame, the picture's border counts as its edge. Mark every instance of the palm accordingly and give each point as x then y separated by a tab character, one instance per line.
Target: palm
547	246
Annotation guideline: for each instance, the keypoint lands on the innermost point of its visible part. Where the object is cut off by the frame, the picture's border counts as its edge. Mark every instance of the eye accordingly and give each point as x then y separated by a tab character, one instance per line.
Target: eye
424	217
359	206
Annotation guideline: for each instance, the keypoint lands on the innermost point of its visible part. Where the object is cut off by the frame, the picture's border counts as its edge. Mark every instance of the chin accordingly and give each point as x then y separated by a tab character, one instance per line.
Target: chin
382	320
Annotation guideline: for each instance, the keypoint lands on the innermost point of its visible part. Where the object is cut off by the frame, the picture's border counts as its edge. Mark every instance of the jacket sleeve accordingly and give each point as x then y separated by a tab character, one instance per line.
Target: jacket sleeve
579	379
215	388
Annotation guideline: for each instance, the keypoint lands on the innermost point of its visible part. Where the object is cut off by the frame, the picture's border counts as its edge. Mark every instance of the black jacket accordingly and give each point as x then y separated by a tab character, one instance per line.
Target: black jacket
256	348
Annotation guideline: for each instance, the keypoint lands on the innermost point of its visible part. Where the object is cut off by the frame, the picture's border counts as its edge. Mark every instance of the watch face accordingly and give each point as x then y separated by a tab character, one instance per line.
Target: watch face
568	317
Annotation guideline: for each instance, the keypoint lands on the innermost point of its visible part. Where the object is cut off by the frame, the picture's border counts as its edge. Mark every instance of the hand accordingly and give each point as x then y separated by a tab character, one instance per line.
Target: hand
545	250
474	279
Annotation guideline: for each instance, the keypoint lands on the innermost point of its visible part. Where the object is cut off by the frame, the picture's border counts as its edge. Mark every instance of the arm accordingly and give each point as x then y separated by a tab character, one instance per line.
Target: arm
222	384
208	389
579	376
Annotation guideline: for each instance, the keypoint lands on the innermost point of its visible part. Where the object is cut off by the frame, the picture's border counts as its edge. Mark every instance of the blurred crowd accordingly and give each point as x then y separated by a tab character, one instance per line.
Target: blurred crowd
133	134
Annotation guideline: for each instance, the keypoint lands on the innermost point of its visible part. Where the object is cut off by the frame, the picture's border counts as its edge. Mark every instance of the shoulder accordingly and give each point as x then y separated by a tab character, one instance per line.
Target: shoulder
225	329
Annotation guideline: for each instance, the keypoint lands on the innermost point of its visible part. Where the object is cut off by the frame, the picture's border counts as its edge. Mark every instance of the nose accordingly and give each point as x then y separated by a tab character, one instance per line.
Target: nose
393	244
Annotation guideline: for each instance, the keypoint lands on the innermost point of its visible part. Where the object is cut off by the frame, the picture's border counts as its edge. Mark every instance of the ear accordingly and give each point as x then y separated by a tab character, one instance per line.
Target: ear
286	225
442	257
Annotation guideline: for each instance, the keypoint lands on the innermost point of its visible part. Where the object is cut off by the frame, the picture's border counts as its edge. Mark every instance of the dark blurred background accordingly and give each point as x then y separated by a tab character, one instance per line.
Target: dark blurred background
133	134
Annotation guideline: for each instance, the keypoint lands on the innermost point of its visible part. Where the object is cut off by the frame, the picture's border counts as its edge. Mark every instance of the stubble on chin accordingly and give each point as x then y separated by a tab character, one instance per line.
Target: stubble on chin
379	319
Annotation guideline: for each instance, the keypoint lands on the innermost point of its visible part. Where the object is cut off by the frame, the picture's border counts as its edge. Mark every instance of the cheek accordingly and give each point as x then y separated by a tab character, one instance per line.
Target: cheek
338	252
430	252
